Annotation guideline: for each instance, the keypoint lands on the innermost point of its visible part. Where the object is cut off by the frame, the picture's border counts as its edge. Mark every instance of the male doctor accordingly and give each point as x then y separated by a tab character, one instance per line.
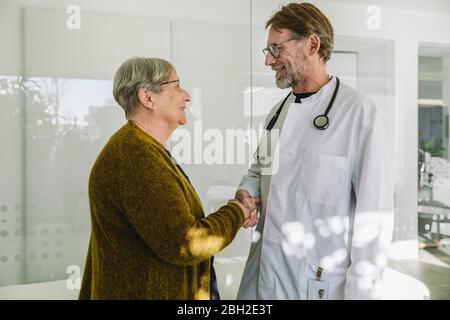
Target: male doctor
326	214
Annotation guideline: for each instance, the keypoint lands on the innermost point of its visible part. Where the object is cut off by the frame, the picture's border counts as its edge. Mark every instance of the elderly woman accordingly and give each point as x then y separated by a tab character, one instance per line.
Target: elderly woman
150	238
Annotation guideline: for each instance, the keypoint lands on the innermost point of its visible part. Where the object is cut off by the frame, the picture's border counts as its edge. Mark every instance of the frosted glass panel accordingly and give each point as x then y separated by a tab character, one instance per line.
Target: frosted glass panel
68	122
96	50
11	214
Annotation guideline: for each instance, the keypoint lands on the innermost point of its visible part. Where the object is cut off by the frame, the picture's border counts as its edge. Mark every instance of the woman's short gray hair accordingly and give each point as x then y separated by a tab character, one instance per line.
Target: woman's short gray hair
136	73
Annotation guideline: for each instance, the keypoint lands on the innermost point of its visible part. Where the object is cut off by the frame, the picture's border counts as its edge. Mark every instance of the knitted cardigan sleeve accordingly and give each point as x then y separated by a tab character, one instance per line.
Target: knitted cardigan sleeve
166	212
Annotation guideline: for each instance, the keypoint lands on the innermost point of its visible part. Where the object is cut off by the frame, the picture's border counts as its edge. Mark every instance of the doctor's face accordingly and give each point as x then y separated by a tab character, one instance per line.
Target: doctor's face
290	65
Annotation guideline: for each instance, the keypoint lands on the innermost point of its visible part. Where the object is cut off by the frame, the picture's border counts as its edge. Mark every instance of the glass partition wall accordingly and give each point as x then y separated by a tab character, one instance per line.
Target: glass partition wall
58	112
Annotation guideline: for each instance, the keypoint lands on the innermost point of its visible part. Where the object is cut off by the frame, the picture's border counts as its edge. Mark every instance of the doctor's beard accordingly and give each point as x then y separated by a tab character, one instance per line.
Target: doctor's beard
294	74
285	82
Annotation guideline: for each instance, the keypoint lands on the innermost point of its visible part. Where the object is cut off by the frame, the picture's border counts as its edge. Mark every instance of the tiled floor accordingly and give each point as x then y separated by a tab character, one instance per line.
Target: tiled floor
432	268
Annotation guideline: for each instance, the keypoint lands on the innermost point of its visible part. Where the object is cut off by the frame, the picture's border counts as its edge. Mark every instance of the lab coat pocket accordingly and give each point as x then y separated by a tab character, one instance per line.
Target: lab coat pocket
322	177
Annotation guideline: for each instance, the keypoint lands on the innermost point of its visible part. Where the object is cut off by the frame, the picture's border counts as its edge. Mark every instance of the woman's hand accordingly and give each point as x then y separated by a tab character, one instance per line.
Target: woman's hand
244	199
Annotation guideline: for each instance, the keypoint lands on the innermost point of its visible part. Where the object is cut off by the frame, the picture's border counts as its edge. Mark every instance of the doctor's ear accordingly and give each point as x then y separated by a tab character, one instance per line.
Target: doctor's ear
145	98
313	44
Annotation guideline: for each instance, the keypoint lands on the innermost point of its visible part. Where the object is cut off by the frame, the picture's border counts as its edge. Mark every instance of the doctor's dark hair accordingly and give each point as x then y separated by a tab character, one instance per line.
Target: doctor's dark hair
305	19
136	73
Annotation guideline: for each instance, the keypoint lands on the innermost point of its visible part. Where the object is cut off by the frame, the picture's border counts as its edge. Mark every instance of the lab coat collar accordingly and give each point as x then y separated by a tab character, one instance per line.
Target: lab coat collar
322	93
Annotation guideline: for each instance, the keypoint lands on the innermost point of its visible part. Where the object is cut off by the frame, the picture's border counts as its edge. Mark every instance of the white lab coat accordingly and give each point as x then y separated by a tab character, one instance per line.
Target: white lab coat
330	204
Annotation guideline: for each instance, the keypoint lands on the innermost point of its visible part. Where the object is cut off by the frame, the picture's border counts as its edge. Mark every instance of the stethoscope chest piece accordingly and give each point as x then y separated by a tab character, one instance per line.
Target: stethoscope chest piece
321	122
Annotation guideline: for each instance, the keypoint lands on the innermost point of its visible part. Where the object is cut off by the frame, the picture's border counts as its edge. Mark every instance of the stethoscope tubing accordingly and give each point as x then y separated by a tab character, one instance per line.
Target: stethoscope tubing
274	119
324	116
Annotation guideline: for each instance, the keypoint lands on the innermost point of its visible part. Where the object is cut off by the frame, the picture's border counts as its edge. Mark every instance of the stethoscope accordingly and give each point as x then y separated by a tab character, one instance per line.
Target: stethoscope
321	122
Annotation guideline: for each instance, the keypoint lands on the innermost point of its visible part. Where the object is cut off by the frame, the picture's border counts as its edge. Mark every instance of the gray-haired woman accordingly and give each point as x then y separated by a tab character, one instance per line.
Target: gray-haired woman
150	238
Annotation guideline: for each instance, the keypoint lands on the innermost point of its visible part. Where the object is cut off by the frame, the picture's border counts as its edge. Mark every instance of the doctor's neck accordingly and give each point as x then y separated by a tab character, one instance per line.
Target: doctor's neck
312	79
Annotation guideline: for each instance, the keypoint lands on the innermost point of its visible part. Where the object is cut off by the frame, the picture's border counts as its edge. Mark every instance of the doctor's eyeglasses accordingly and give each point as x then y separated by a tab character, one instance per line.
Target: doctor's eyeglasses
274	48
173	81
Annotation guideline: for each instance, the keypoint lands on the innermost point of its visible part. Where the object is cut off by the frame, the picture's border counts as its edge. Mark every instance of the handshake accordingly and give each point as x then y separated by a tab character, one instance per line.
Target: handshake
249	206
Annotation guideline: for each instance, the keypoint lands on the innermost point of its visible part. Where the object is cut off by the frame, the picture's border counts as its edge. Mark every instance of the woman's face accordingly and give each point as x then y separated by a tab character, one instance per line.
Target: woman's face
172	101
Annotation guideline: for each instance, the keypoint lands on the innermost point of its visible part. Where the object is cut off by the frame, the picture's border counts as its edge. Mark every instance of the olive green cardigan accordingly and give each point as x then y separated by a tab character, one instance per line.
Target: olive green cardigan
150	238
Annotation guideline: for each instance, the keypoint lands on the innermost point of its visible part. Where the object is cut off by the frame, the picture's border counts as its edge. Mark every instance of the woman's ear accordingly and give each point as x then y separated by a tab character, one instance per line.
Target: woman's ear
145	98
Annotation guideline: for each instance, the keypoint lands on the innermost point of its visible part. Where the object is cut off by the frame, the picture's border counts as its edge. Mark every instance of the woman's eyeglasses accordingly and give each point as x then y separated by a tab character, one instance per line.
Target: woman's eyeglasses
173	81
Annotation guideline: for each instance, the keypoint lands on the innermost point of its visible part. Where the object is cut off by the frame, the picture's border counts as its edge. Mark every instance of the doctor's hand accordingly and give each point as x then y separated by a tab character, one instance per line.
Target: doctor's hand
252	219
252	204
